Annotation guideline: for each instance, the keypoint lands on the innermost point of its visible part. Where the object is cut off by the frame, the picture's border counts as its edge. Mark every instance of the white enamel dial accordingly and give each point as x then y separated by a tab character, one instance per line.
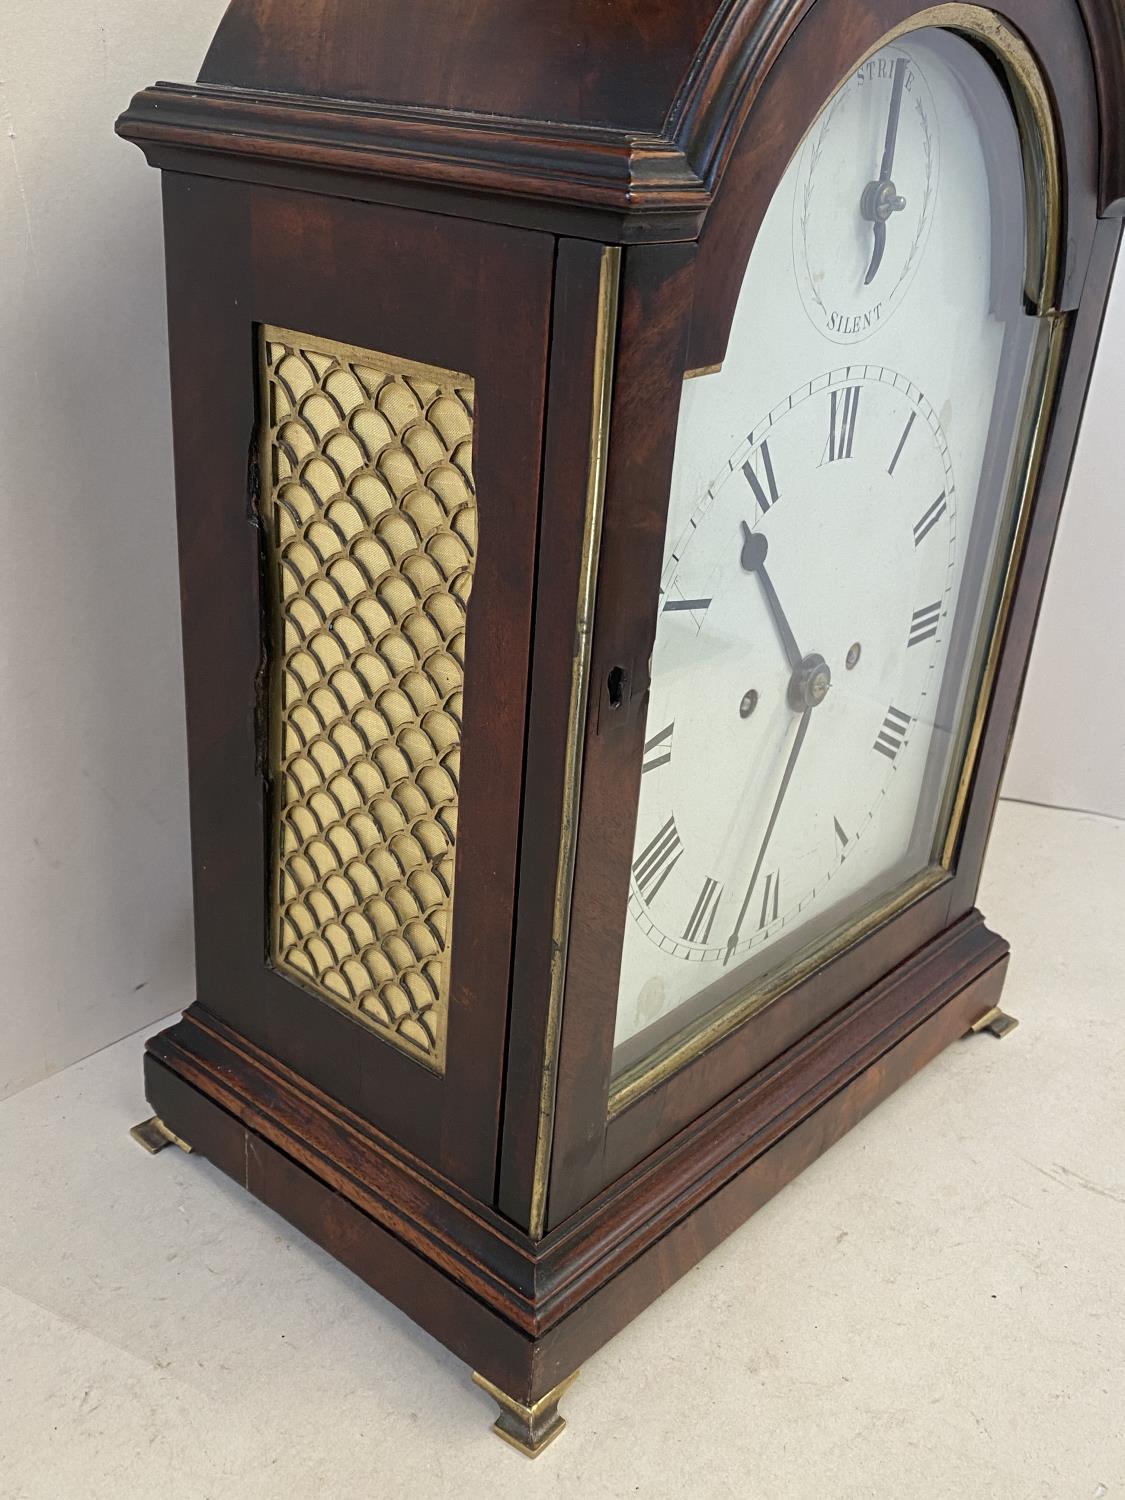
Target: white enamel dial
827	469
836	511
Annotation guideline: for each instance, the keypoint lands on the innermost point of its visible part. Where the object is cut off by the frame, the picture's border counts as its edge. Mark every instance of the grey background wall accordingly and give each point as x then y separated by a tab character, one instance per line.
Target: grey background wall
95	917
95	900
1069	749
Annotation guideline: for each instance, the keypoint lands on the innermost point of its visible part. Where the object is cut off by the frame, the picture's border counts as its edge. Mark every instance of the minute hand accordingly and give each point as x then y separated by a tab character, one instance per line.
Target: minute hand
802	730
880	199
892	121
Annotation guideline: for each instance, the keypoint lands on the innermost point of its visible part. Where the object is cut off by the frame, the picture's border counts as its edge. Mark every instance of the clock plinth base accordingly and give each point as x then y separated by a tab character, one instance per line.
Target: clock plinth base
526	1313
153	1135
996	1022
528	1429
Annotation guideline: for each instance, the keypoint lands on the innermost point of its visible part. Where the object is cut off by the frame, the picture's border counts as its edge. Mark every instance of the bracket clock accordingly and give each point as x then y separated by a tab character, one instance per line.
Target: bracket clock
618	453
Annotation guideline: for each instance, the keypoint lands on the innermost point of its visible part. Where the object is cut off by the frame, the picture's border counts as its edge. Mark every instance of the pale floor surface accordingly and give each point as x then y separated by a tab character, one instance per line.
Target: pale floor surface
935	1309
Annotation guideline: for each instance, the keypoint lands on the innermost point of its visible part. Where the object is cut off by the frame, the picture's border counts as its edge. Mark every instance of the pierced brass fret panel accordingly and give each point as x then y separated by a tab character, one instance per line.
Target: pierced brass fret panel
371	517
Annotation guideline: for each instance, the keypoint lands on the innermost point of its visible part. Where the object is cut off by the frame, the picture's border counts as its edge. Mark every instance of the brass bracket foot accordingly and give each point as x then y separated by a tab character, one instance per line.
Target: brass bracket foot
154	1135
996	1022
530	1429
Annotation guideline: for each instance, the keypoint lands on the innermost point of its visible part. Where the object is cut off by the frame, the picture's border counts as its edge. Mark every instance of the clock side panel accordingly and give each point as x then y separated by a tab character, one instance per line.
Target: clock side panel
358	401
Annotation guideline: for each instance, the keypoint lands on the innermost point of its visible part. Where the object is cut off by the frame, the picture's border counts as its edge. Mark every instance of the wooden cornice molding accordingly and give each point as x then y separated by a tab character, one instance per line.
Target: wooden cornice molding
530	1284
609	171
709	110
631	185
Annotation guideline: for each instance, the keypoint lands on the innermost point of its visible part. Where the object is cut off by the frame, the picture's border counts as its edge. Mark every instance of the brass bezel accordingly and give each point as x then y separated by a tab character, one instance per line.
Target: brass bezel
1035	118
1039	139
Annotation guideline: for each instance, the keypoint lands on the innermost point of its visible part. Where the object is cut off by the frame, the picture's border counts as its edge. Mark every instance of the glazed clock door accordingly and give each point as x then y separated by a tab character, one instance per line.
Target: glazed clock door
849	490
841	517
356	628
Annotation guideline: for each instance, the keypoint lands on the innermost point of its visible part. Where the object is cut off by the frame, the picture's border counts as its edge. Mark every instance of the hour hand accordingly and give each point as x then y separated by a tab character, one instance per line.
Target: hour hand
754	550
880	248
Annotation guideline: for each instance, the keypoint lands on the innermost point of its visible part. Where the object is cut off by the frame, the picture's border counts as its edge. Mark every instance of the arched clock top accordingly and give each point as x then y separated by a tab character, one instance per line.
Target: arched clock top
1042	47
576	62
619	122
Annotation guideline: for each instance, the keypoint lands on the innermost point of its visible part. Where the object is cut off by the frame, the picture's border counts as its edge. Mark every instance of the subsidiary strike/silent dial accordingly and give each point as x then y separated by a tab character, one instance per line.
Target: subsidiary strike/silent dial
866	192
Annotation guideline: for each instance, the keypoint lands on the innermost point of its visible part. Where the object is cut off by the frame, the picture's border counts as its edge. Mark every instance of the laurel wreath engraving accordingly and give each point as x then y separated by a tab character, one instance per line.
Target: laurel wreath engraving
806	205
927	193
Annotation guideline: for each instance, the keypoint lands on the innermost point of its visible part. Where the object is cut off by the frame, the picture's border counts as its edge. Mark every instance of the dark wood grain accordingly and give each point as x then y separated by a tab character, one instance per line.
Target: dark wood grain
359	1240
401	284
578	61
519	1310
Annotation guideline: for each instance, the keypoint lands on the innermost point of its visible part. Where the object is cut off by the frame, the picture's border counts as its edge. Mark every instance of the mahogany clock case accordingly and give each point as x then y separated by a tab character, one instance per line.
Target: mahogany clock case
574	234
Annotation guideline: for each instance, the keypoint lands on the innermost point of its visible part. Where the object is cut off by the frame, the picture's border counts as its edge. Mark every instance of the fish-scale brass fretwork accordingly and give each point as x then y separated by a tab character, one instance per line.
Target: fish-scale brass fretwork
372	523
